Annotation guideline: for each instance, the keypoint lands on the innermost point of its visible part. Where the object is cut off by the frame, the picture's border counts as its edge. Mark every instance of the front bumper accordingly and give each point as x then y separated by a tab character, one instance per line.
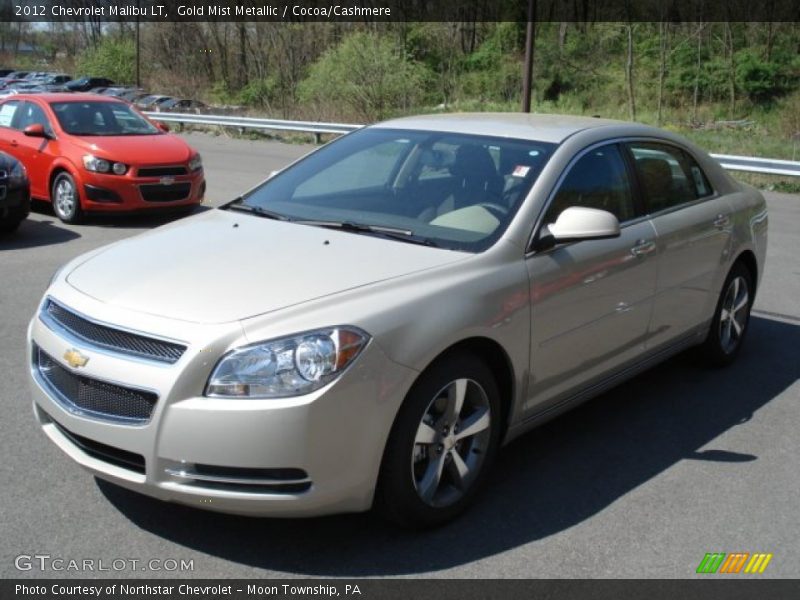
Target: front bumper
113	193
310	455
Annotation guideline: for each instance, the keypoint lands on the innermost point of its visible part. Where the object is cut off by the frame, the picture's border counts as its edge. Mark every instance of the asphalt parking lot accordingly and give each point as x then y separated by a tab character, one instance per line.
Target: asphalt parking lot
640	482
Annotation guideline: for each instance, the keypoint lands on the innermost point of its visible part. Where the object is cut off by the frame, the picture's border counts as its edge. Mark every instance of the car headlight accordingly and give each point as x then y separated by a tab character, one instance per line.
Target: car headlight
17	175
101	165
290	366
196	163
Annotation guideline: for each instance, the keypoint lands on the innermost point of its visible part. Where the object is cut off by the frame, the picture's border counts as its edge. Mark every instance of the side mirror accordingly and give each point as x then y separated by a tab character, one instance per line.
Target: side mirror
578	223
162	126
35	130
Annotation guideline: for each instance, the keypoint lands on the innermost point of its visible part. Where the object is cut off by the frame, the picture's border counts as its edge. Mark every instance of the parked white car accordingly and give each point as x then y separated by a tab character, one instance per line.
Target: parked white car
370	324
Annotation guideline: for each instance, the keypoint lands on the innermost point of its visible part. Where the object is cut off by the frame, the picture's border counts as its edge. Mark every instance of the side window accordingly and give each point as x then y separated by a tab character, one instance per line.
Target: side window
598	180
669	177
31	114
7	112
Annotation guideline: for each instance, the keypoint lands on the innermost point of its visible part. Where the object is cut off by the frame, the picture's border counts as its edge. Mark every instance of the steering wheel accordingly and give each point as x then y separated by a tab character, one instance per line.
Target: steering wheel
497	210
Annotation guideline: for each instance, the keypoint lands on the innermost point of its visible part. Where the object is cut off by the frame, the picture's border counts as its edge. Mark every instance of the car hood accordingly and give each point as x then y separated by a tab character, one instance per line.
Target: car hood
222	266
137	149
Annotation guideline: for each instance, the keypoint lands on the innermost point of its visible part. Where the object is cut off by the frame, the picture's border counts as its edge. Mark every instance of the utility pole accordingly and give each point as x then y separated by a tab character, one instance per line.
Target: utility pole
138	78
530	41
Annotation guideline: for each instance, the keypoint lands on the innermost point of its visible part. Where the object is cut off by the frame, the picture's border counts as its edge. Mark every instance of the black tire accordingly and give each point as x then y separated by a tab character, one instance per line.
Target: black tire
727	333
67	209
9	225
406	463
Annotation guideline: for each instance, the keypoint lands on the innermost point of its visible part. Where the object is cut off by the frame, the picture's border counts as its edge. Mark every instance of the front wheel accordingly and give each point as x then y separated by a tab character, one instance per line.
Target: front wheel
442	444
729	326
65	198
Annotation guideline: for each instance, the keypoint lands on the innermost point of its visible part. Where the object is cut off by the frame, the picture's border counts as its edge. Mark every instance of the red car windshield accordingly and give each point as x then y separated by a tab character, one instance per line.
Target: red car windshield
101	118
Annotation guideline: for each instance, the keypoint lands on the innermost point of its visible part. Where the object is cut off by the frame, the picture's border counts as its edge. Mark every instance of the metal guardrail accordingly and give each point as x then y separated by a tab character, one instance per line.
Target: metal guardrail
751	164
253	123
769	166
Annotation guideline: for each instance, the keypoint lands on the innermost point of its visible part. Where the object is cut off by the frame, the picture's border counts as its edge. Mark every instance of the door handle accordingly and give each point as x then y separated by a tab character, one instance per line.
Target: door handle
643	248
721	221
14	143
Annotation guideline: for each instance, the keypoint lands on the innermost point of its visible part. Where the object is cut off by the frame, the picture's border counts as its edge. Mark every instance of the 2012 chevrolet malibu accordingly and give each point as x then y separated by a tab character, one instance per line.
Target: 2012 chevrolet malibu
368	325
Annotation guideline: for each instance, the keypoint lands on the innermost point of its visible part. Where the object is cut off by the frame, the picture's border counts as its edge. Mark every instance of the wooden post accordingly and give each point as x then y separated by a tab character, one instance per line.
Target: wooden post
530	41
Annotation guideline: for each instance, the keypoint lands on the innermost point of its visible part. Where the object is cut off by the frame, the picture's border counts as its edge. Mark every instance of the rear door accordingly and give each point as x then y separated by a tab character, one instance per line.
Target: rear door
693	224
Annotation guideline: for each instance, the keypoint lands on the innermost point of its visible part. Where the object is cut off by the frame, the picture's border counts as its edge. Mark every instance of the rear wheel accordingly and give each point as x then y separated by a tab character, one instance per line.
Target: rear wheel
442	444
731	318
65	198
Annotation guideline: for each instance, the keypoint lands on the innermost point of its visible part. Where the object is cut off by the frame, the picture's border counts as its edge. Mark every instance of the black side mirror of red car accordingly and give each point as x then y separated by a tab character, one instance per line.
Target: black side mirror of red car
36	130
162	126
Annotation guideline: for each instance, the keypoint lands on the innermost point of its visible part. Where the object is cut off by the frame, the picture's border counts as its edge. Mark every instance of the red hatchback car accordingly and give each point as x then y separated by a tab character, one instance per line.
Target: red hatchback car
88	153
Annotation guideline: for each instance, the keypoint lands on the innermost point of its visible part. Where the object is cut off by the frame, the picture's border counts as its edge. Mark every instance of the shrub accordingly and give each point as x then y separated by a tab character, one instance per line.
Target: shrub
366	75
112	58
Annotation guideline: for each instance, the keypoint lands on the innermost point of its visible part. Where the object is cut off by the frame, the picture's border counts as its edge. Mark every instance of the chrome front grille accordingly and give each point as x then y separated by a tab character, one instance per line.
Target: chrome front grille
110	338
92	397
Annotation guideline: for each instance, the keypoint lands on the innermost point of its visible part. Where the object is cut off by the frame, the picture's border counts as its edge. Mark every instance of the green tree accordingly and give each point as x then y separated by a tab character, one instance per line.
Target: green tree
112	58
494	70
367	75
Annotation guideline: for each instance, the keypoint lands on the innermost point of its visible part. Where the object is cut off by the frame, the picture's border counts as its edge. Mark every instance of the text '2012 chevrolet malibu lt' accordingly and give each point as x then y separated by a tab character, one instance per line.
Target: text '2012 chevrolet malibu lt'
368	325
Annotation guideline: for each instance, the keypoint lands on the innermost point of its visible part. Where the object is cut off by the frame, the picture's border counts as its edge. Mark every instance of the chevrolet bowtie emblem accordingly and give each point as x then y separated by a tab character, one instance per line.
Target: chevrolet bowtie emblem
75	359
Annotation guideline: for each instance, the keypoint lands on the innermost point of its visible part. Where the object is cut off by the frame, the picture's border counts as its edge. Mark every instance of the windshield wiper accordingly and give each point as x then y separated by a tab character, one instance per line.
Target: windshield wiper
395	233
238	204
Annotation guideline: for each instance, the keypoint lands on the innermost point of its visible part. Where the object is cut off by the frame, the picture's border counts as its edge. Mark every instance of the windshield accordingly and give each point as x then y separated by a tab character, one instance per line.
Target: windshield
452	190
101	118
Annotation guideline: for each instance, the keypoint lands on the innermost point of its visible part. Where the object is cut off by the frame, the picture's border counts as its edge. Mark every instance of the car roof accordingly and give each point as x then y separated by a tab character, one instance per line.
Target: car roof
69	97
529	126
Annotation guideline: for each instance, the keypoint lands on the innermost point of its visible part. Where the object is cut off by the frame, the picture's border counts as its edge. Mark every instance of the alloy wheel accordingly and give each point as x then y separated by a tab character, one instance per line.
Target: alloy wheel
451	443
65	198
733	315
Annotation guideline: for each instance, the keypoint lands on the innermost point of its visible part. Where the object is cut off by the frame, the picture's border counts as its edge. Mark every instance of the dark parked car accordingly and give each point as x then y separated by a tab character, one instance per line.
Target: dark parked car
15	193
4	72
84	84
57	79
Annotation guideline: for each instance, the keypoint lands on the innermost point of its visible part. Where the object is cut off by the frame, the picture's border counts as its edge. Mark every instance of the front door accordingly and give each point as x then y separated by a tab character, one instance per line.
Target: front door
591	300
36	153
